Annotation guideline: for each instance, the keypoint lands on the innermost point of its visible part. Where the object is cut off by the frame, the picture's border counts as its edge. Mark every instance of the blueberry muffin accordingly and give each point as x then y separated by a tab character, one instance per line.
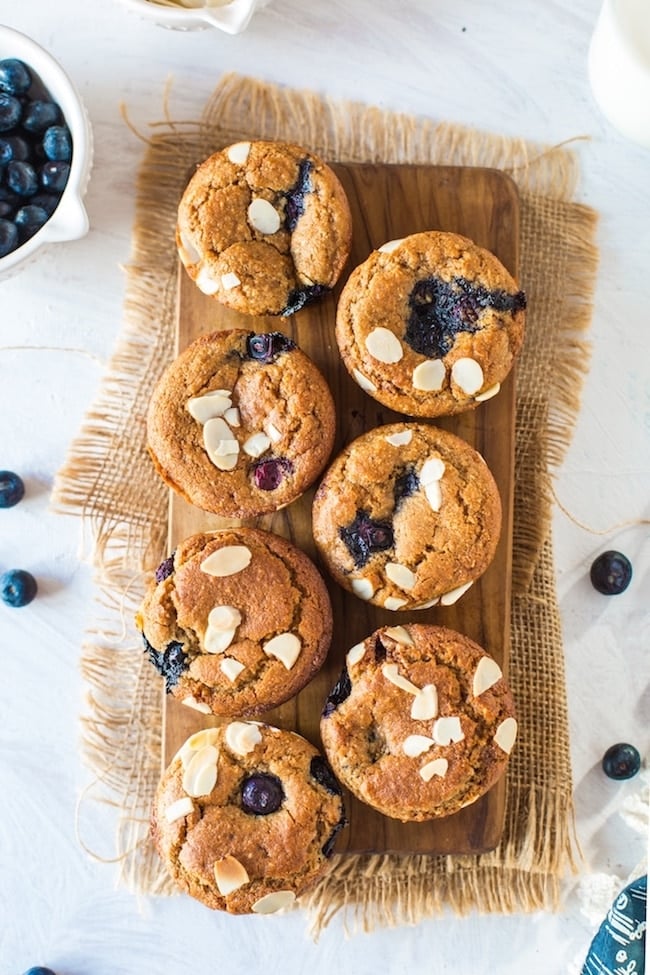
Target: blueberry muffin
430	325
241	423
246	817
264	227
407	516
237	621
420	723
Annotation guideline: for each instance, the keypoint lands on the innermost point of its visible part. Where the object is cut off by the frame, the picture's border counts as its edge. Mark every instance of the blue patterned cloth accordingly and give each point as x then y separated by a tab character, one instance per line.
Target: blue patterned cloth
619	945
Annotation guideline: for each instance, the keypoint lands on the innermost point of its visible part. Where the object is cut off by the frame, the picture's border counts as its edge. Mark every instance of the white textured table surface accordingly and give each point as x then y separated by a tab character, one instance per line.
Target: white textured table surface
518	69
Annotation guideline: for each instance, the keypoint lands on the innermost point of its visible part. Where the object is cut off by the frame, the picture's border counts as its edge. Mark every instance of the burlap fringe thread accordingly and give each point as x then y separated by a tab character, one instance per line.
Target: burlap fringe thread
123	507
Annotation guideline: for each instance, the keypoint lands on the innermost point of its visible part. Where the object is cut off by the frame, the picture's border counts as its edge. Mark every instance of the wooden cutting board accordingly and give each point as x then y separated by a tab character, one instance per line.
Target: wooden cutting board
387	202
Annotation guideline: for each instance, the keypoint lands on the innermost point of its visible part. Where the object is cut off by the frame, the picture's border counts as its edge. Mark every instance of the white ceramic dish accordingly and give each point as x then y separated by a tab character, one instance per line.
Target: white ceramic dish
231	16
70	220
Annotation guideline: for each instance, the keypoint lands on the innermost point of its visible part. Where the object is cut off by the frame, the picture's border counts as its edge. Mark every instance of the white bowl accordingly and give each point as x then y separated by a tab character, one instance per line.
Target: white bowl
231	16
69	221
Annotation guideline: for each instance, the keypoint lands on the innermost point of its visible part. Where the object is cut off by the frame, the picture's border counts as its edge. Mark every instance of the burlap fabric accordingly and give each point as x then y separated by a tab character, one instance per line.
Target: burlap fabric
110	483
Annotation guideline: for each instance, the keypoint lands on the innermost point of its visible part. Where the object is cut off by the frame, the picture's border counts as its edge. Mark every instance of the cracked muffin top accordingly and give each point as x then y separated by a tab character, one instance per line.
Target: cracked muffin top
246	817
241	423
431	324
420	723
264	227
407	516
237	621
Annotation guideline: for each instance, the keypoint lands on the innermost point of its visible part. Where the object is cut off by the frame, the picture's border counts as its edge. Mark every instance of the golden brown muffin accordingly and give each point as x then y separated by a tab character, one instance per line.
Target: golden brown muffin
264	227
421	722
431	324
407	516
246	817
241	423
237	621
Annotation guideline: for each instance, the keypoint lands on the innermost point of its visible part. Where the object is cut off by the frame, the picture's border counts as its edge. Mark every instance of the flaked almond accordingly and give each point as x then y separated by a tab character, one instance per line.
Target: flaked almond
438	766
363	381
399	439
391	673
242	736
467	374
447	730
432	470
285	647
226	561
429	376
206	281
217	433
256	444
229	280
197	741
216	641
416	745
273	433
209	406
451	597
506	734
179	809
191	702
400	635
383	345
425	703
488	393
200	775
486	675
232	417
433	494
400	575
224	618
263	217
188	252
390	245
231	668
363	588
238	152
355	654
394	602
277	900
229	875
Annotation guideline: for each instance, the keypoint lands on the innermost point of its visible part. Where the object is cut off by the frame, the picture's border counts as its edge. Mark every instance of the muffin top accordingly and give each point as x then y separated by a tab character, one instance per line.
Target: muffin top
246	816
406	516
241	423
421	722
431	324
264	227
237	621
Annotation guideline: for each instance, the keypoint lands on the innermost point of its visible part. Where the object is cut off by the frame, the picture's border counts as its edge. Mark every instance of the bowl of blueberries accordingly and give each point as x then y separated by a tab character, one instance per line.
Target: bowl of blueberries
45	152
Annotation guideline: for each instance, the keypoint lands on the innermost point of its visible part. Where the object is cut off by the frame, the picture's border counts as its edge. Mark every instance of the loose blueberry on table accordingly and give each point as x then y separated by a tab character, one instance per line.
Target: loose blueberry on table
12	489
611	573
621	761
35	154
17	587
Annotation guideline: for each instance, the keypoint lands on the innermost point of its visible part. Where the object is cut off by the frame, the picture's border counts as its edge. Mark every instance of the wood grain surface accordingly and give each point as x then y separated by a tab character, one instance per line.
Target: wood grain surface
387	202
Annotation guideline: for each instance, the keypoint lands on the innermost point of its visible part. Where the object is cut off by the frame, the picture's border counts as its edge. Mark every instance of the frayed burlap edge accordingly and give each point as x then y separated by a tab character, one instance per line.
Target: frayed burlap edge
124	508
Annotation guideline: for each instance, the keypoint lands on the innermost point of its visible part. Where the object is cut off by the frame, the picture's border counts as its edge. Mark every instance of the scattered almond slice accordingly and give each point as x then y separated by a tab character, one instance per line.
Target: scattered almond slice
200	775
363	588
467	374
277	900
400	575
399	439
226	561
488	393
400	634
284	647
447	730
229	280
451	597
394	602
416	745
263	217
209	406
486	674
229	875
363	381
231	668
238	152
429	603
429	376
425	703
391	673
383	345
206	283
179	809
438	766
355	654
506	734
256	444
191	702
242	736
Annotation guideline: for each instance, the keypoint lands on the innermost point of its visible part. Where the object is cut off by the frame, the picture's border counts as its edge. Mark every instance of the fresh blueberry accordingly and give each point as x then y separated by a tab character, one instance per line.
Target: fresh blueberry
12	147
57	144
341	690
48	201
8	237
39	115
17	587
29	219
170	662
621	761
22	178
267	346
261	794
54	176
165	569
364	536
611	573
10	112
15	76
269	474
322	773
12	489
39	970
